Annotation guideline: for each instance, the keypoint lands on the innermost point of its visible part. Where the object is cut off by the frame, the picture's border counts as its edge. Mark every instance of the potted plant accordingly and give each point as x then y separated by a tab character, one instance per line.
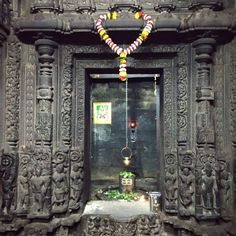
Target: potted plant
126	181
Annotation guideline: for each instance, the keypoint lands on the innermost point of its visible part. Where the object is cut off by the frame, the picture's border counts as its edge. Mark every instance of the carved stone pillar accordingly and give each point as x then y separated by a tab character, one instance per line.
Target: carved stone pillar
45	50
40	181
206	171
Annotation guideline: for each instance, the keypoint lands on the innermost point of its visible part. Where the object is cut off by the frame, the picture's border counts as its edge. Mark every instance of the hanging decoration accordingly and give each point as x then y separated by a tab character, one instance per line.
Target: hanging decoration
123	52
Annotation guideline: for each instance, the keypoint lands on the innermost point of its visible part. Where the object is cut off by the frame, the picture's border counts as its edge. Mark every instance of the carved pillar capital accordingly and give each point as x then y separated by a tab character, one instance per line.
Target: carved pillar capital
45	46
204	49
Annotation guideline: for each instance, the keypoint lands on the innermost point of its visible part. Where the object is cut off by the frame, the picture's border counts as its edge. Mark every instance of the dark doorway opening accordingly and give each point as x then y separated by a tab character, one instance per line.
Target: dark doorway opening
108	134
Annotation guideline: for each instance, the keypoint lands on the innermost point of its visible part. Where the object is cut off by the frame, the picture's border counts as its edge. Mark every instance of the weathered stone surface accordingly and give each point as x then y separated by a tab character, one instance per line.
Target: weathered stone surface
44	76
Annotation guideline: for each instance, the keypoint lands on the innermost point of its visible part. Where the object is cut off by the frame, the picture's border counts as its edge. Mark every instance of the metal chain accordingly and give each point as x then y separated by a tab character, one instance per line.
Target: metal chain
126	112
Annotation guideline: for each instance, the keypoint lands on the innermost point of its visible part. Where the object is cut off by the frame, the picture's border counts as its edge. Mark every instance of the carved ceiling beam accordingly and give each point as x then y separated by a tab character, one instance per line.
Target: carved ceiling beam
202	20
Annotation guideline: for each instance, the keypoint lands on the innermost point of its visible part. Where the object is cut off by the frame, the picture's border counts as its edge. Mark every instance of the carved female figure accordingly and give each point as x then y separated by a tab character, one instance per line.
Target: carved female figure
24	190
209	188
39	190
186	191
60	186
170	184
76	185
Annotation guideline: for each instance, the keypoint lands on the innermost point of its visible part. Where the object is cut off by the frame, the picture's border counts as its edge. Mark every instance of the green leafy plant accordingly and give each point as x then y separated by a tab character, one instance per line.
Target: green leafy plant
116	195
126	174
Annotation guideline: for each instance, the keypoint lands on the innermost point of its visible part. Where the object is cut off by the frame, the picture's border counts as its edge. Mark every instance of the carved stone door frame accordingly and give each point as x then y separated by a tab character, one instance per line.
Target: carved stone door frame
173	61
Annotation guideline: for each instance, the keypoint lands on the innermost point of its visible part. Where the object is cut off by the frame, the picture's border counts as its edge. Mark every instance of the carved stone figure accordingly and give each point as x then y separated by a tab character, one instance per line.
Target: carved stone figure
7	184
39	185
148	225
76	178
60	189
23	188
226	189
170	186
209	189
7	190
76	185
140	226
186	189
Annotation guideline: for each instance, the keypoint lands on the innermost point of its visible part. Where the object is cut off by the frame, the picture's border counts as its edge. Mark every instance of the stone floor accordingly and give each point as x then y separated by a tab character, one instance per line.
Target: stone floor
118	209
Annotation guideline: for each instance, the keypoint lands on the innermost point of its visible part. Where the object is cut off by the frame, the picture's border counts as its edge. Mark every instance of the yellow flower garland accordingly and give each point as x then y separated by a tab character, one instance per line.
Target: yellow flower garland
120	51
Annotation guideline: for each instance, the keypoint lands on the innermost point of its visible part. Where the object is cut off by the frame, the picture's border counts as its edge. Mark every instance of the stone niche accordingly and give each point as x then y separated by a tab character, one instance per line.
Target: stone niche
48	59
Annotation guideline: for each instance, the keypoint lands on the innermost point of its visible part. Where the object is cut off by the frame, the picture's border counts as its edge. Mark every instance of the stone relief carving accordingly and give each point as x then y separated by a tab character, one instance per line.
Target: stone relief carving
8	174
23	182
204	116
168	109
207	169
207	180
5	13
44	117
233	107
12	90
60	182
226	187
170	183
169	102
148	226
44	127
182	96
30	78
102	4
76	178
143	225
226	181
66	109
179	186
40	181
186	184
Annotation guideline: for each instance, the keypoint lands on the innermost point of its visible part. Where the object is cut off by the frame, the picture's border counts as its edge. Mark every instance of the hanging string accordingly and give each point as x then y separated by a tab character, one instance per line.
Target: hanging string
126	112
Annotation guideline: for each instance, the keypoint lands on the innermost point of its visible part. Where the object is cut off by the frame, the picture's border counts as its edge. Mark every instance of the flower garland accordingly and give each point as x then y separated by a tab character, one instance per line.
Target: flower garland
120	51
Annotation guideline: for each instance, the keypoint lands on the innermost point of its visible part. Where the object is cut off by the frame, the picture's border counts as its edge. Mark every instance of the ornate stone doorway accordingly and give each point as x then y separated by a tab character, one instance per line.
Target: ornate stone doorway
172	62
109	130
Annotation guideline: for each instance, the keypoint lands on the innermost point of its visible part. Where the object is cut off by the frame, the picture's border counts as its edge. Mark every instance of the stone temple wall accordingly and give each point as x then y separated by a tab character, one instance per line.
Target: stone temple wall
47	48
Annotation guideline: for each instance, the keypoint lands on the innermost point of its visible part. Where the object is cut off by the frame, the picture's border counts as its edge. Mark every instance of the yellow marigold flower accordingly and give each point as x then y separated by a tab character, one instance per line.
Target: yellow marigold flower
105	36
108	15
144	34
123	54
114	15
138	15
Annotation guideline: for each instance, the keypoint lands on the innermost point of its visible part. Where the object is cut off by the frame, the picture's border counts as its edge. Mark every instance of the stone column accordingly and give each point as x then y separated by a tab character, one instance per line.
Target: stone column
40	163
206	173
45	50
